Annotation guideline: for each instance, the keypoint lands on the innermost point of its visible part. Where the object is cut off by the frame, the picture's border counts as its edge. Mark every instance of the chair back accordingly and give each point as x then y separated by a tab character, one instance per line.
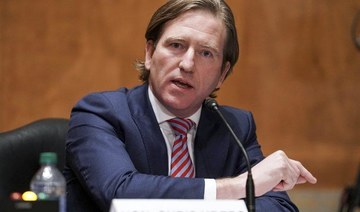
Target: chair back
20	150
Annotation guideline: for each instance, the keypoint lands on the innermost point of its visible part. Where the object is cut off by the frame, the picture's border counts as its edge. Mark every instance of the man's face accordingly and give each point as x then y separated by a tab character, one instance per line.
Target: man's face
185	66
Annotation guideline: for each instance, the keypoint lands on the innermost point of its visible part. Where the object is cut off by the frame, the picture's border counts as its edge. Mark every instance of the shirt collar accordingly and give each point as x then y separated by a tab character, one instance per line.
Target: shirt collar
162	114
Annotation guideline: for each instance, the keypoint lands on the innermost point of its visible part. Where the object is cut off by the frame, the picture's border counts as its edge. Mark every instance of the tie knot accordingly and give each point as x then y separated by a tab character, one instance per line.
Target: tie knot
181	126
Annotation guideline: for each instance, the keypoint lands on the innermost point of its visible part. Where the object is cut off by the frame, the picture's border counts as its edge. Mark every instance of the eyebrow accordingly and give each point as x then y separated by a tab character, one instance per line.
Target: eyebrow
171	39
206	45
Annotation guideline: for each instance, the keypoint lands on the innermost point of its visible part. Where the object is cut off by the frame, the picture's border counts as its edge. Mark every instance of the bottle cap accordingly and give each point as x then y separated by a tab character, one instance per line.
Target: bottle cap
48	158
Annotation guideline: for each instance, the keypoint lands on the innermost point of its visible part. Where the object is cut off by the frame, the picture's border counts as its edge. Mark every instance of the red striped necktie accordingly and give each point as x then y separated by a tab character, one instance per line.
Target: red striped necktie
181	165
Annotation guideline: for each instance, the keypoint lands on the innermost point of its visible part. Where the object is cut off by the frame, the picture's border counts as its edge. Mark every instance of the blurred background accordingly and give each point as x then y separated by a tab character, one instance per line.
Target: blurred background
298	72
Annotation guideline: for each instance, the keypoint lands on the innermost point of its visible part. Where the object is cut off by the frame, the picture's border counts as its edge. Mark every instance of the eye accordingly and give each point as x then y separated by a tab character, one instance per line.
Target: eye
206	53
176	45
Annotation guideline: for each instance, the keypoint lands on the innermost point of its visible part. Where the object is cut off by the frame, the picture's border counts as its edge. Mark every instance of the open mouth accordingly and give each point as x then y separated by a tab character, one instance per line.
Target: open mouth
181	84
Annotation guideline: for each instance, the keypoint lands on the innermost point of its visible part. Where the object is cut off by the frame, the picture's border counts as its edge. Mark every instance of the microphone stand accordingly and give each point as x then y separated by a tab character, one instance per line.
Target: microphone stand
250	191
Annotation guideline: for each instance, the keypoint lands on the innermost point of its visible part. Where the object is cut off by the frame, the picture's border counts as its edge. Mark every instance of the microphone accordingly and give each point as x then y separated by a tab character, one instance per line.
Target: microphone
211	104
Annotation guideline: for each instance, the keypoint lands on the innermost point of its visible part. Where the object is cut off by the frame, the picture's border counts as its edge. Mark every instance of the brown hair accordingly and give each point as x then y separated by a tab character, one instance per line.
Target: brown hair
174	8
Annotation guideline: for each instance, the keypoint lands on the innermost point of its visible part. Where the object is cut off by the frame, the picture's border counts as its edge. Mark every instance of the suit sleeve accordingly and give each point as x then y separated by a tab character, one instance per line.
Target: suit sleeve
96	152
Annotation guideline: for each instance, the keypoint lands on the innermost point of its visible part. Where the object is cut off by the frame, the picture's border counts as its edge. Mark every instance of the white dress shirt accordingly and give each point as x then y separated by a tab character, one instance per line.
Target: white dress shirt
162	115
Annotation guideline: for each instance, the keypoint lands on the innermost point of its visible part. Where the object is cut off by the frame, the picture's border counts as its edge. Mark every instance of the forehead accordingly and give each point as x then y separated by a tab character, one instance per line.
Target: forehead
199	23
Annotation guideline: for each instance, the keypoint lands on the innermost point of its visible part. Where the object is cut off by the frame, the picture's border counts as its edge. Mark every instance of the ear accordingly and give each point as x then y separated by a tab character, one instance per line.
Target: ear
223	74
149	51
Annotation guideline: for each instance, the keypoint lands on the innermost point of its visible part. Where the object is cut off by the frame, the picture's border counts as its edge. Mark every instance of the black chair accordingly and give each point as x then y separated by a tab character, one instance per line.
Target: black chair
350	198
20	150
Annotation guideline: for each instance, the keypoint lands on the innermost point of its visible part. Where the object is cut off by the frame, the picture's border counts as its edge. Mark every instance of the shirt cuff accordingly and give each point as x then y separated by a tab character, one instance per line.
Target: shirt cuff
210	189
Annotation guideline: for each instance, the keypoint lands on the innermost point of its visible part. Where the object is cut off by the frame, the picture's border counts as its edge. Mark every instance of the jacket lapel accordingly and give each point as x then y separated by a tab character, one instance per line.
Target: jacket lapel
152	138
211	145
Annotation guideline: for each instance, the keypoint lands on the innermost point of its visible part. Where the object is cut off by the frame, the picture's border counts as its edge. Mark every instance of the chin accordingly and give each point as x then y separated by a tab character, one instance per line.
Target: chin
176	103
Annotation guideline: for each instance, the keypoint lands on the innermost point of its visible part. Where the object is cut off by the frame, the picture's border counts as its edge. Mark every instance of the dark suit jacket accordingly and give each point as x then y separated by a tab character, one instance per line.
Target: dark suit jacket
115	149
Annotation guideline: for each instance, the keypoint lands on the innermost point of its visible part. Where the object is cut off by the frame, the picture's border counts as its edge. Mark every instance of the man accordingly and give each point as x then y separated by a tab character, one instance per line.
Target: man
121	143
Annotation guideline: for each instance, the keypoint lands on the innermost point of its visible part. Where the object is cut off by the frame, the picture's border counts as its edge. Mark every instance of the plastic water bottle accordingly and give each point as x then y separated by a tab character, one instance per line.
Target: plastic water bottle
48	182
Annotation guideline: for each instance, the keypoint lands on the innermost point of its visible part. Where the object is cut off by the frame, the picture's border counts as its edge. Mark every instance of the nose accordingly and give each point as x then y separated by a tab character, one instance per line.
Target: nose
187	60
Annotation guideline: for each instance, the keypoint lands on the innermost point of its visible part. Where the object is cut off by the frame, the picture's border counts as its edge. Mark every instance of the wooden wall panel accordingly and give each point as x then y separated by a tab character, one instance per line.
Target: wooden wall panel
298	73
298	70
